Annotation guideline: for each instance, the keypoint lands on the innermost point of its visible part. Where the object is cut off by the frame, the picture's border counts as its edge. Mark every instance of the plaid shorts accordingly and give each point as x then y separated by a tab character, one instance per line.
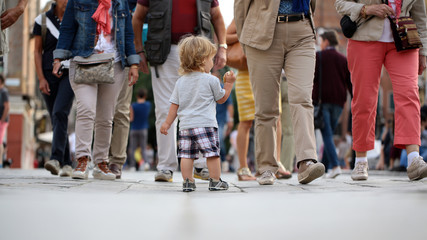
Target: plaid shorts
193	140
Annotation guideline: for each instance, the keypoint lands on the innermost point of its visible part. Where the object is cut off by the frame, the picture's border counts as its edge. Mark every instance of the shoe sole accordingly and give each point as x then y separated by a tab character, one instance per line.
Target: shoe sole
419	177
359	178
52	169
217	189
64	175
266	182
200	177
79	176
162	179
315	173
102	177
188	190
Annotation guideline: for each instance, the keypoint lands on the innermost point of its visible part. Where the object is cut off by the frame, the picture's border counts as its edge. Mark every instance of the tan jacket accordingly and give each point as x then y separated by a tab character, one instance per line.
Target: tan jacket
256	21
373	29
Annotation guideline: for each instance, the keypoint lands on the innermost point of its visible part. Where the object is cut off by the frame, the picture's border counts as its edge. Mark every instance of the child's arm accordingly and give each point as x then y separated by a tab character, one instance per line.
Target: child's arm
229	80
169	119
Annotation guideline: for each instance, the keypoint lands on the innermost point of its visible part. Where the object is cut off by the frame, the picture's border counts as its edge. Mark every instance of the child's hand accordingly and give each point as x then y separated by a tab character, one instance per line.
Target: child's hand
164	128
229	77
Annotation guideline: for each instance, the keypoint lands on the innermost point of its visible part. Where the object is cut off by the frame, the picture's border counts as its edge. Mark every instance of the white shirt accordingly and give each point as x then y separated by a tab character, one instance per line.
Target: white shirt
106	42
387	35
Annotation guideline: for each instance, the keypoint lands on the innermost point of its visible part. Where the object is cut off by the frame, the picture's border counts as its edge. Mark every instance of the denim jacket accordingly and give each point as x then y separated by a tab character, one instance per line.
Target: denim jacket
78	31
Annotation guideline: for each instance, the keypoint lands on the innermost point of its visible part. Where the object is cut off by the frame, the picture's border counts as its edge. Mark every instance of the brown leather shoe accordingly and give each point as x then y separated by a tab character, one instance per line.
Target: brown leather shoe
116	169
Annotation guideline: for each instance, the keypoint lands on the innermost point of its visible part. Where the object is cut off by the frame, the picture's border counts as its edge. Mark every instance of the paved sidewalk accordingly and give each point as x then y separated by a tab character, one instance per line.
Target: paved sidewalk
36	205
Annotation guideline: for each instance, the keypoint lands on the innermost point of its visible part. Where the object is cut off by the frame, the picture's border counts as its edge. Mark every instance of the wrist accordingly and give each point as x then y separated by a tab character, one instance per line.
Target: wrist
134	66
140	51
223	45
363	13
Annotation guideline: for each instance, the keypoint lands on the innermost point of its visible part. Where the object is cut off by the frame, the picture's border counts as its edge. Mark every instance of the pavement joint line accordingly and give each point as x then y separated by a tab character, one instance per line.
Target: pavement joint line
361	185
127	188
240	188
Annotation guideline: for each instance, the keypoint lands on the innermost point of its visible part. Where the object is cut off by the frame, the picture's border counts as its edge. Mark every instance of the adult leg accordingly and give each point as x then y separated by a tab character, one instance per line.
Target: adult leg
61	109
121	124
162	90
86	99
365	60
288	145
299	68
105	108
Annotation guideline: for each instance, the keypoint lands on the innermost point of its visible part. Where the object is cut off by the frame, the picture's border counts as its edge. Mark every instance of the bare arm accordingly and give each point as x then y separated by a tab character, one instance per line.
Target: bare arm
231	36
229	80
230	122
10	16
219	26
173	110
137	24
38	50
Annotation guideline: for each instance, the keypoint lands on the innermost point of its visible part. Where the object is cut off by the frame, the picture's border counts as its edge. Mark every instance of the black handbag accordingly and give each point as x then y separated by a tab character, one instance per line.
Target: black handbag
349	27
319	122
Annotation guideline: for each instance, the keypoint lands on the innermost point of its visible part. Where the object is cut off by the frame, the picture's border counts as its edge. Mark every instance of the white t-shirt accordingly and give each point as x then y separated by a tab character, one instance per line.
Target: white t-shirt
387	35
196	94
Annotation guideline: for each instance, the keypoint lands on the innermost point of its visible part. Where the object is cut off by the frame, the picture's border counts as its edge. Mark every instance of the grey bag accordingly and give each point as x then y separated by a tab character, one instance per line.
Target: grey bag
95	69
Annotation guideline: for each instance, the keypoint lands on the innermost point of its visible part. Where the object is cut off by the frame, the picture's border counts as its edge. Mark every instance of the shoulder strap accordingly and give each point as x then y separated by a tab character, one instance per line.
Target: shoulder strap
44	28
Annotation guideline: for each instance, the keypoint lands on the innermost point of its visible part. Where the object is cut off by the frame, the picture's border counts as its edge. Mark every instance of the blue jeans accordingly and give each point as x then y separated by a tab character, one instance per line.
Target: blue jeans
404	156
223	150
331	114
58	104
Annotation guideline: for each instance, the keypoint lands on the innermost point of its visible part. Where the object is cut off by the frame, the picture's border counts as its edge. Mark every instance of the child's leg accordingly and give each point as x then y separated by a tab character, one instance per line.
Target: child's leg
214	166
187	168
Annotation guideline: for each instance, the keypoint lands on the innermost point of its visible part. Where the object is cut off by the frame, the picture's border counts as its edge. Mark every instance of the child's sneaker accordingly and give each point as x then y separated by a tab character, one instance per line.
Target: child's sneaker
188	186
217	186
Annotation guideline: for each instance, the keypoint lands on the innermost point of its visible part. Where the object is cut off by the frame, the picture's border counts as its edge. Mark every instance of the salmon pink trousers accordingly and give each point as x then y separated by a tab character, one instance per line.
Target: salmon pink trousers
365	61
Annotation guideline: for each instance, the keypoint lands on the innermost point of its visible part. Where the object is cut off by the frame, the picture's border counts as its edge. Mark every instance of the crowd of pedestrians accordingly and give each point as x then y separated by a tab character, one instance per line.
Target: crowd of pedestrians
186	42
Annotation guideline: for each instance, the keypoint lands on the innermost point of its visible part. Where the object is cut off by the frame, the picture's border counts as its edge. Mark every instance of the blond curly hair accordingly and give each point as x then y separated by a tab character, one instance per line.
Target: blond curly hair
193	51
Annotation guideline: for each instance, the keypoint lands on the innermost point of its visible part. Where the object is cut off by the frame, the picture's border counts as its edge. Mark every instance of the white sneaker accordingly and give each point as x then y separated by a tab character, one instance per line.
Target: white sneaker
82	169
66	171
333	173
52	166
266	178
101	171
417	170
360	171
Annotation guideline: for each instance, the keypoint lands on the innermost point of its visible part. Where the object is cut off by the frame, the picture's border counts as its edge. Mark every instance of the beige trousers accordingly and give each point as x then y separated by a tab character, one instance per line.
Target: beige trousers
95	110
292	50
287	154
121	124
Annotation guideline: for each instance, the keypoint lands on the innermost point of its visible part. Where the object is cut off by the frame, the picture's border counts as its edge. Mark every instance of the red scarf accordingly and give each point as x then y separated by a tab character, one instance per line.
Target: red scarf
398	7
102	17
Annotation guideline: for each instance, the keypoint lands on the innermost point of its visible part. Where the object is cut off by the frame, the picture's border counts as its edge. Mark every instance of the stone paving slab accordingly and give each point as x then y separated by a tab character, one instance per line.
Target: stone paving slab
37	205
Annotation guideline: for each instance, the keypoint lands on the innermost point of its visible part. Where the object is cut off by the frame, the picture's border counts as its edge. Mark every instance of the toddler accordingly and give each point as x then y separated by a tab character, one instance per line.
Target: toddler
193	101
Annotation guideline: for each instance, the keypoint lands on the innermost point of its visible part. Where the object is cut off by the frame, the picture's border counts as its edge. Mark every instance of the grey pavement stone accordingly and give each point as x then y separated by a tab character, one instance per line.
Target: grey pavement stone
37	205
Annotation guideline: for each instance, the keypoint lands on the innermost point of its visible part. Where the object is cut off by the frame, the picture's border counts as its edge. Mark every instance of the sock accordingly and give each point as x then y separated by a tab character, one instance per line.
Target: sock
412	156
361	159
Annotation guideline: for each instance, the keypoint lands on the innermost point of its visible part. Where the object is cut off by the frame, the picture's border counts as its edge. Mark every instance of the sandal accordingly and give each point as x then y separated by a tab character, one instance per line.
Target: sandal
244	174
282	173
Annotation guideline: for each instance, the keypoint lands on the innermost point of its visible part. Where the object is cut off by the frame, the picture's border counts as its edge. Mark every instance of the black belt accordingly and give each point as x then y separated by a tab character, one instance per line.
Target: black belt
292	18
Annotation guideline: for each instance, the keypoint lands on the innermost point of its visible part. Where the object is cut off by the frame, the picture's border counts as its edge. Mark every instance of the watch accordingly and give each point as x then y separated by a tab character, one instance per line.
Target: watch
224	45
